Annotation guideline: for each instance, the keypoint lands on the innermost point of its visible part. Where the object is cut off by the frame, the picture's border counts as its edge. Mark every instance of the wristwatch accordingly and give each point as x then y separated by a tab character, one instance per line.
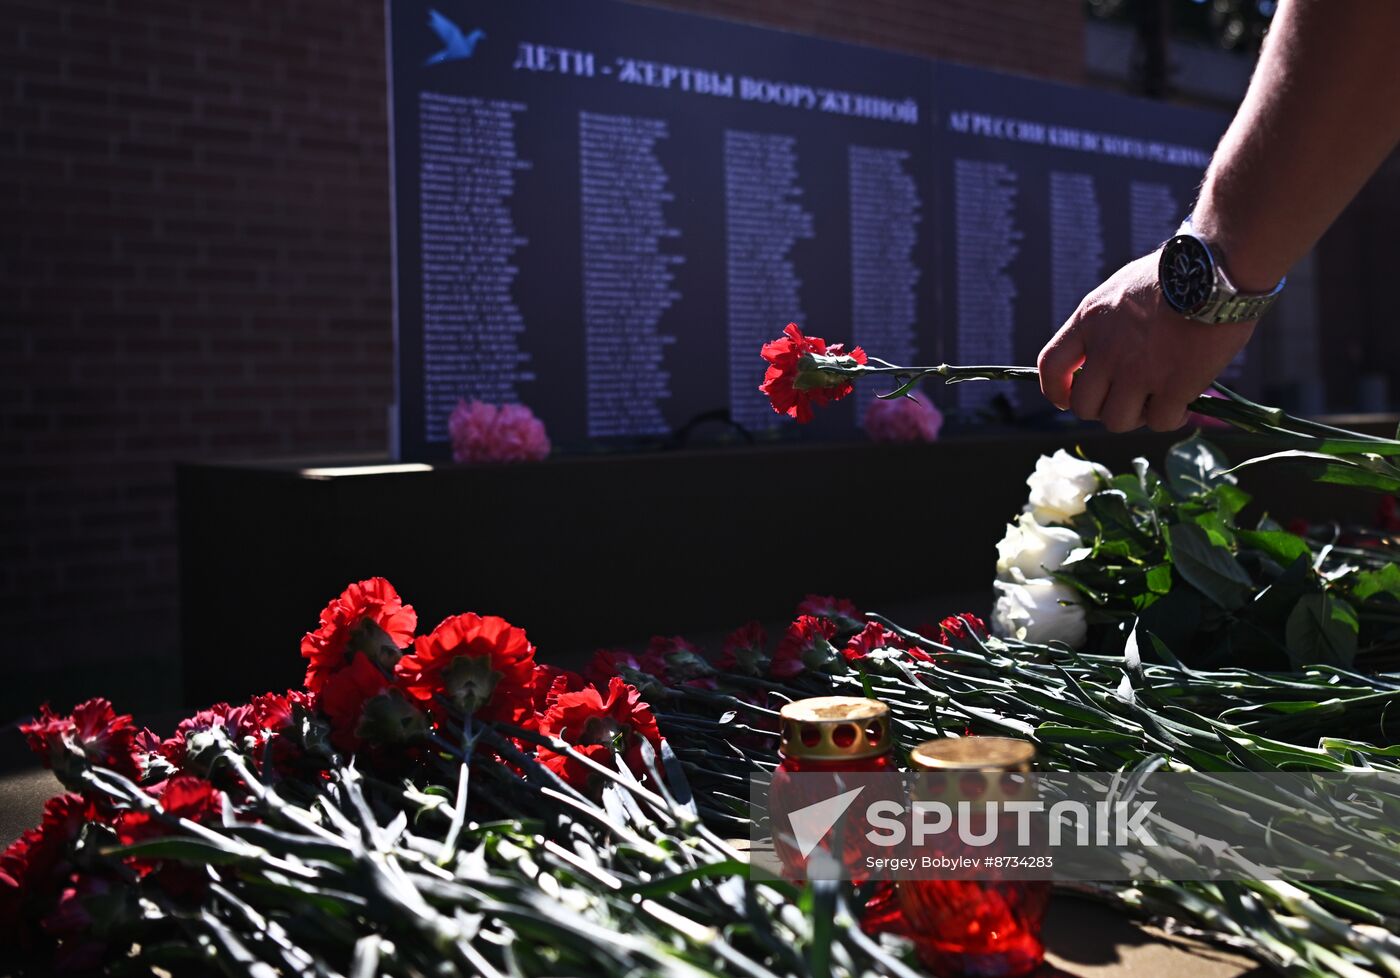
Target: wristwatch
1194	282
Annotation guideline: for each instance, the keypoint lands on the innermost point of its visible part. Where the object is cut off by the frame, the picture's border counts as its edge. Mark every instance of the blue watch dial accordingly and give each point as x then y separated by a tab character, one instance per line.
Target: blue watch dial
1186	273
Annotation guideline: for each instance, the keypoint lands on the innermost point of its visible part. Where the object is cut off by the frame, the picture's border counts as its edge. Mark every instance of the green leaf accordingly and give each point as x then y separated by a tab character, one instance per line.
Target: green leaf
1341	471
904	388
1175	621
1159	578
1195	465
1371	583
1321	629
1109	508
1210	569
866	687
1059	733
1221	533
1355	446
1131	486
1231	499
1275	603
182	849
682	881
1281	545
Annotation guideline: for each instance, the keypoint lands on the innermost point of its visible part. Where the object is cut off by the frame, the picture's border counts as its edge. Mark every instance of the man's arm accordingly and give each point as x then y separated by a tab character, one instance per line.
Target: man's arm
1321	113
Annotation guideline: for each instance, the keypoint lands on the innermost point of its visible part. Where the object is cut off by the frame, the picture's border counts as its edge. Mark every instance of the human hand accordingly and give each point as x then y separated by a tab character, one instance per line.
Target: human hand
1143	362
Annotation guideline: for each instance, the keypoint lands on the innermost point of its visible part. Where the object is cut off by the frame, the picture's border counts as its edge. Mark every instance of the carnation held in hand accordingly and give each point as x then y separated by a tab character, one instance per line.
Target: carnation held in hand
1038	609
902	419
799	376
486	433
1061	484
1032	549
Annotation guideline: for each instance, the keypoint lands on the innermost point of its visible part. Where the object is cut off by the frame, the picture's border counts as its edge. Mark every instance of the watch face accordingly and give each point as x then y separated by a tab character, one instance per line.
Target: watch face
1187	274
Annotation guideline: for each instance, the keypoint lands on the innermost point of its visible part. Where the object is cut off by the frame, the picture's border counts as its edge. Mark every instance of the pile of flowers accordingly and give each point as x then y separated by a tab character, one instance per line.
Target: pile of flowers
374	691
217	839
444	803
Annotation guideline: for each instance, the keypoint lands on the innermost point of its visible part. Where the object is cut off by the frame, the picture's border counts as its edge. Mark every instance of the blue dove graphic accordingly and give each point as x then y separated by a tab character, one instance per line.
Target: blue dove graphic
456	45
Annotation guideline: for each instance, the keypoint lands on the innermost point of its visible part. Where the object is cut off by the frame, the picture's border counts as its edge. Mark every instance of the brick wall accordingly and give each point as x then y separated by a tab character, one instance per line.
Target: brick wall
196	264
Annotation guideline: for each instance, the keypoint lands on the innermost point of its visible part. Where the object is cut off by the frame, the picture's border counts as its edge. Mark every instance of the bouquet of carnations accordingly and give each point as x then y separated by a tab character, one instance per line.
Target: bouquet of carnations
436	803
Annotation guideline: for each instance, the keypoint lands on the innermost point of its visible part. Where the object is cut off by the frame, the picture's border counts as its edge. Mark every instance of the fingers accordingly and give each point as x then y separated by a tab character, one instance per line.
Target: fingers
1123	407
1058	362
1086	397
1165	413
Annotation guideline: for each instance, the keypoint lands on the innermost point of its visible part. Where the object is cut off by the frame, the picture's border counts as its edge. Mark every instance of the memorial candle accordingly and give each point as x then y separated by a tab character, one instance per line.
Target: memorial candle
836	735
986	927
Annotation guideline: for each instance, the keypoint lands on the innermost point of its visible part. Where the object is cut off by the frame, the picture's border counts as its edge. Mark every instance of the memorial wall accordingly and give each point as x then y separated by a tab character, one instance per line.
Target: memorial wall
603	210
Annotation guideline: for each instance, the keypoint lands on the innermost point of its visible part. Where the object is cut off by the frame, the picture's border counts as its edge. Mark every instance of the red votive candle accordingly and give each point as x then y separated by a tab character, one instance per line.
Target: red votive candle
974	927
836	734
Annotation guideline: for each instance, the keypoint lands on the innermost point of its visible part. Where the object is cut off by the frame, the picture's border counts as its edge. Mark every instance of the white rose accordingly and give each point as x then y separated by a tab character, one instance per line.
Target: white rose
1038	610
1060	484
1033	549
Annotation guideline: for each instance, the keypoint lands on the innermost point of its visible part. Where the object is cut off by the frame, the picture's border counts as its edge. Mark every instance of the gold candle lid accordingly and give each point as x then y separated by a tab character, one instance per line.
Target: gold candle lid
973	754
835	728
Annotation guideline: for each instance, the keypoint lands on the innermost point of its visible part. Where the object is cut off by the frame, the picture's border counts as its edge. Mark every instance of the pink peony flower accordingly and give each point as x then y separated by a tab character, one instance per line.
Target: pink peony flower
487	433
903	419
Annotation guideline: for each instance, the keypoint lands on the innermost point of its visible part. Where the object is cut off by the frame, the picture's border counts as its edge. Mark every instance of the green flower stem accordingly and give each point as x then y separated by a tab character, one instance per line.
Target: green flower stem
1230	407
557	745
297	960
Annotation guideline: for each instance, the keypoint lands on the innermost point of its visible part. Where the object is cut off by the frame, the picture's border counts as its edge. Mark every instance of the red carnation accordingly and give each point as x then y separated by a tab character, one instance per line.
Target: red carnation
268	723
94	731
793	383
806	645
247	727
596	726
684	663
87	909
361	706
73	926
183	796
745	651
872	638
878	640
273	712
636	668
963	628
146	742
35	865
220	716
551	682
483	665
368	617
844	614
